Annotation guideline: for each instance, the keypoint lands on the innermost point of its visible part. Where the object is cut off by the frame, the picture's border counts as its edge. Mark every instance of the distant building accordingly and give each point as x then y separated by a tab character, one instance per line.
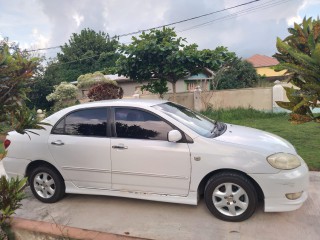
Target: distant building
263	65
187	84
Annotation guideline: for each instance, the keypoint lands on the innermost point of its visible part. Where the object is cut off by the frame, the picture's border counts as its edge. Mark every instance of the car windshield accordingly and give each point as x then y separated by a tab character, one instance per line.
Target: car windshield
195	121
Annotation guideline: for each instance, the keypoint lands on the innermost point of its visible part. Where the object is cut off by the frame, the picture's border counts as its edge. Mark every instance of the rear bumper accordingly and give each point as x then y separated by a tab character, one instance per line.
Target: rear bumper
15	167
276	186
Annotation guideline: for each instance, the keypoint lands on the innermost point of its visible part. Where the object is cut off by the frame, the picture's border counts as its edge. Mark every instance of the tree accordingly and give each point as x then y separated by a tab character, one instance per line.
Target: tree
238	74
158	55
217	58
43	85
299	54
16	73
157	87
87	52
105	91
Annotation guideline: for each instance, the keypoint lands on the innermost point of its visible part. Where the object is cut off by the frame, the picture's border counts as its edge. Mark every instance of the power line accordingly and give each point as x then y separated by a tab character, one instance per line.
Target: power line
188	19
266	5
269	4
41	49
165	25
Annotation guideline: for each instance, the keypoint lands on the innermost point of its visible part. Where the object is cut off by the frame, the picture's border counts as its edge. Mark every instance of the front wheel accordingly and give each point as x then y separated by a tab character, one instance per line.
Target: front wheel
46	184
230	196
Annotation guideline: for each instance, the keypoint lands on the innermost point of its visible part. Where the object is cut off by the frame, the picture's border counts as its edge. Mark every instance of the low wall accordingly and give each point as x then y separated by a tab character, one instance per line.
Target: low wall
257	98
185	99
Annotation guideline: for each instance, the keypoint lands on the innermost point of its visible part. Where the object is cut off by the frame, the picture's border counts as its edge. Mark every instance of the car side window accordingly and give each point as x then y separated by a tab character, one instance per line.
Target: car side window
87	122
138	124
59	128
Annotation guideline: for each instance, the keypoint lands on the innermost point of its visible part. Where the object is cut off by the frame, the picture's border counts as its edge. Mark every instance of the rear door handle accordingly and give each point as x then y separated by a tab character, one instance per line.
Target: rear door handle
58	143
119	147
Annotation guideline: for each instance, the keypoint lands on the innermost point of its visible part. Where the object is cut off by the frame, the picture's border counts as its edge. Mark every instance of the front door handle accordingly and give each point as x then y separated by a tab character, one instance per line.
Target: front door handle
58	143
119	147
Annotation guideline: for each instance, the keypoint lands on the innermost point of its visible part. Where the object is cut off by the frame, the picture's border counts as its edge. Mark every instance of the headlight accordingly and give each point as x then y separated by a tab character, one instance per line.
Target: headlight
284	161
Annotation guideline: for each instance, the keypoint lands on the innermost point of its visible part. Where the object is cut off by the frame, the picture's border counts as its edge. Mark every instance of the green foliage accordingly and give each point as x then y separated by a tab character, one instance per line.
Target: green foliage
299	54
159	55
43	85
64	95
11	194
63	91
105	91
237	74
96	50
25	119
89	80
217	58
1	148
239	114
156	87
16	72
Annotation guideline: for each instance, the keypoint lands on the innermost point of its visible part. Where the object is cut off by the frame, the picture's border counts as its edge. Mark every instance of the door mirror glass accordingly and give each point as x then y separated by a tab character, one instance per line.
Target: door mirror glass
174	136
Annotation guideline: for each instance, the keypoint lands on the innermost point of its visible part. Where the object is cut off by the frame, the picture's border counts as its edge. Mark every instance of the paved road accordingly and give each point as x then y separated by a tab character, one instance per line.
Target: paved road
156	220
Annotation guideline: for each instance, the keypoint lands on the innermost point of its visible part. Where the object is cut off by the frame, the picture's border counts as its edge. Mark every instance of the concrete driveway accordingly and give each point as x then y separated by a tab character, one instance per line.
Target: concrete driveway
155	220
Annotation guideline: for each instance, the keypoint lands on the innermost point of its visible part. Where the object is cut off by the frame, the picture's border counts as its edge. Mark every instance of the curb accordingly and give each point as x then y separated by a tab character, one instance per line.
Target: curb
52	229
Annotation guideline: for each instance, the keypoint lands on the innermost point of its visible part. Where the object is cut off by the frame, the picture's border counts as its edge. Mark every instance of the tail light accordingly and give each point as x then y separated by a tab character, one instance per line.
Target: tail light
6	143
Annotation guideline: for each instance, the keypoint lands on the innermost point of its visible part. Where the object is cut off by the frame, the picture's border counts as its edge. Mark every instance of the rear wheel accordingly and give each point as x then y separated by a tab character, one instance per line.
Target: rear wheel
230	196
46	184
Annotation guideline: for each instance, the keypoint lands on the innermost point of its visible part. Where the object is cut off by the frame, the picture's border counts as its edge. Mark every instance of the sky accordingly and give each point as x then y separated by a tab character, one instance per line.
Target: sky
247	30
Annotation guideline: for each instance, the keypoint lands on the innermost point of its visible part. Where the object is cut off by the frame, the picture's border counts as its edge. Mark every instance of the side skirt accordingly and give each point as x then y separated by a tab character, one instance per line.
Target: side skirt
191	199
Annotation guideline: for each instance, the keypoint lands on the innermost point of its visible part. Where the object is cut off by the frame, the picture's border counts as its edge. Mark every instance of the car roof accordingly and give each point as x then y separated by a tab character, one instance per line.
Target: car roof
106	103
125	102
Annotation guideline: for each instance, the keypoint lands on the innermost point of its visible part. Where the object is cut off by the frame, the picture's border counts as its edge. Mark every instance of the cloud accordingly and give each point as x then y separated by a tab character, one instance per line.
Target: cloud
247	33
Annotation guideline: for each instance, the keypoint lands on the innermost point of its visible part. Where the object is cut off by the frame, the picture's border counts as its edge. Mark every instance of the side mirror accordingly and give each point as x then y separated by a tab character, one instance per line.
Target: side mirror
174	136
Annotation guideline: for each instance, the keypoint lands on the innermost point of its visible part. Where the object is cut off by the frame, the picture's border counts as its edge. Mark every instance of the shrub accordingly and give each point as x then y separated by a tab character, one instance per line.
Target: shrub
105	91
238	74
89	80
11	194
64	95
299	54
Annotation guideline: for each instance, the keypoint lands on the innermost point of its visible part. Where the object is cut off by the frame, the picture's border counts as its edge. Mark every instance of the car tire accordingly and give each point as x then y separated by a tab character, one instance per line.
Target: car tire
230	196
46	184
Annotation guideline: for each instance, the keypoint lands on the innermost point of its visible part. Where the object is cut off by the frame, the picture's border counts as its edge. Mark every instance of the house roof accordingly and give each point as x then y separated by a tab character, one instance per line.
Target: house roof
258	60
118	79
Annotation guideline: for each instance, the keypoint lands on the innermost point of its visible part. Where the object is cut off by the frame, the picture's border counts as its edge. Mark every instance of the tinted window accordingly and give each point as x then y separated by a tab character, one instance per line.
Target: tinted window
59	128
195	121
88	122
132	123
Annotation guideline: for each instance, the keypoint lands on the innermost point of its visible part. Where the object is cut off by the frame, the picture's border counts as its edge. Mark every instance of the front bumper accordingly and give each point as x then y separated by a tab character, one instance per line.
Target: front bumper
276	186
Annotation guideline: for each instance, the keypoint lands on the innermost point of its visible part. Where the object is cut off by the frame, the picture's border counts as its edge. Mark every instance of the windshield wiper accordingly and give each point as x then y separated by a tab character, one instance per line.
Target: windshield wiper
214	126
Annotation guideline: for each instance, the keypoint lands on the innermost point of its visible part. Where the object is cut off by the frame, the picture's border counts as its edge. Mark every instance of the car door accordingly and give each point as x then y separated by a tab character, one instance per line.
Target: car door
142	158
80	146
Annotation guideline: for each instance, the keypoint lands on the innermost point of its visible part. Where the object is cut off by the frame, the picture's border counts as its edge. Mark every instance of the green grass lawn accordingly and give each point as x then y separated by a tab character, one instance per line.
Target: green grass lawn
1	147
305	137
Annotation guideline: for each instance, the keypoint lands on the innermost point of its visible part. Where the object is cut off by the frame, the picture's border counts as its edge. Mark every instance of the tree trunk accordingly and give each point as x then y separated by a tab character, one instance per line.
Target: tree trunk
174	91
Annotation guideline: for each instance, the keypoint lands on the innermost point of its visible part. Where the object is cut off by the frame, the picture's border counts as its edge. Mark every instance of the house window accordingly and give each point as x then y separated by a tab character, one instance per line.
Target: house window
203	83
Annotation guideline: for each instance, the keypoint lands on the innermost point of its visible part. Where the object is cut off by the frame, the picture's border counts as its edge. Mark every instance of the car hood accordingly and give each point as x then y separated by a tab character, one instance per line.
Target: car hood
256	139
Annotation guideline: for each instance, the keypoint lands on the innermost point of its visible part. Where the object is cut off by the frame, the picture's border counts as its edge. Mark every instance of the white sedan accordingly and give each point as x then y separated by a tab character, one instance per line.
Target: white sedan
158	150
